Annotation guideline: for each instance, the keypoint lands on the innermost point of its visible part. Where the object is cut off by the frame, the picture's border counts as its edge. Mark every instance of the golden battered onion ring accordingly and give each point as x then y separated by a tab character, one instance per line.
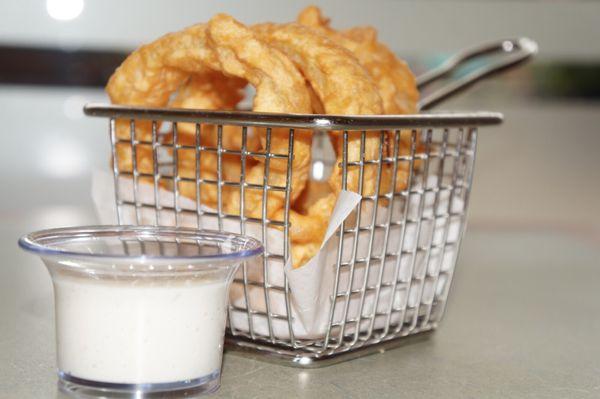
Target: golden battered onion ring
395	81
152	73
343	87
303	228
242	54
216	93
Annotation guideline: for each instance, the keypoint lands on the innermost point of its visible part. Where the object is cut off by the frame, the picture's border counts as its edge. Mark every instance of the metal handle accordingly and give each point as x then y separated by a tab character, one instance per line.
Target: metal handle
515	51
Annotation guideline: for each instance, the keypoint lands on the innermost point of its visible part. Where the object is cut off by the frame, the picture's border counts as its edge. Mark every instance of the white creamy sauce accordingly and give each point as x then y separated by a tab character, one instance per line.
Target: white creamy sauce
139	331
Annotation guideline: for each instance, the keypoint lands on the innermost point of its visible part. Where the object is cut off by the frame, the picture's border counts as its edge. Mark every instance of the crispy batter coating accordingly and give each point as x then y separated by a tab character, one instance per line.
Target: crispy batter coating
279	88
154	71
148	77
342	86
329	69
151	74
395	82
218	92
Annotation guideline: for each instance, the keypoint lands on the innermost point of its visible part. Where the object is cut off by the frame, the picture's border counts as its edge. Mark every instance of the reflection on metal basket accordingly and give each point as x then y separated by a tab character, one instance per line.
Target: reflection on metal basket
385	270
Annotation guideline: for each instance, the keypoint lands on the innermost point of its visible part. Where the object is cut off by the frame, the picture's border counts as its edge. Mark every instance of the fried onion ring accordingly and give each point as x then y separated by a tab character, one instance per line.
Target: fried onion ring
343	87
152	73
241	53
217	93
299	67
395	81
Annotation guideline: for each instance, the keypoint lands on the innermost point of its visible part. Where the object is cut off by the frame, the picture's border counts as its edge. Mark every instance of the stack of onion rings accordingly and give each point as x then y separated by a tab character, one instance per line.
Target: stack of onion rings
300	67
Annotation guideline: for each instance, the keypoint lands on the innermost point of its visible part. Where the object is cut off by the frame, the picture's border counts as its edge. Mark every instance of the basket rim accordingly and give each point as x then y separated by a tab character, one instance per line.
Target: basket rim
298	121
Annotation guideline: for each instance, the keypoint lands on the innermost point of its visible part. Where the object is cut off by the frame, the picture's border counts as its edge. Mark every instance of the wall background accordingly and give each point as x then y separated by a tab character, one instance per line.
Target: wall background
564	29
540	170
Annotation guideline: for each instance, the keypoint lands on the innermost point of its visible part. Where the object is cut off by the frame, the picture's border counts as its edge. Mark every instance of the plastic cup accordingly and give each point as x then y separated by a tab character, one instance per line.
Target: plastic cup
140	309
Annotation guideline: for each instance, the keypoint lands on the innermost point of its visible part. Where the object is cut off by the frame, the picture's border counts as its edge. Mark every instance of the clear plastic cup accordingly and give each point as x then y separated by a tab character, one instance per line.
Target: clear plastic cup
140	309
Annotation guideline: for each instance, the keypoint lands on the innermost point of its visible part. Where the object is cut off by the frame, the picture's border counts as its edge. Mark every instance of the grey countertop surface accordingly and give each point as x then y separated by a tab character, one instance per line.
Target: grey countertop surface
523	321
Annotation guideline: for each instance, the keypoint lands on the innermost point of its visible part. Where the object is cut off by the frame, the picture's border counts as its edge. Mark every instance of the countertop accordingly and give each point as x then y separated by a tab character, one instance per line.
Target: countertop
522	321
523	318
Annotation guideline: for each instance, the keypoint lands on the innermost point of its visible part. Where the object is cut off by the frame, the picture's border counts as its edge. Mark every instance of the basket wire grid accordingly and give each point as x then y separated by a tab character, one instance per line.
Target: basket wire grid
446	152
394	254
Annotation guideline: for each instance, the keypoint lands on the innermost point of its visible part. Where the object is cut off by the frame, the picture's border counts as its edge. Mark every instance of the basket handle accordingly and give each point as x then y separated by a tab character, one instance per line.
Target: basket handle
513	51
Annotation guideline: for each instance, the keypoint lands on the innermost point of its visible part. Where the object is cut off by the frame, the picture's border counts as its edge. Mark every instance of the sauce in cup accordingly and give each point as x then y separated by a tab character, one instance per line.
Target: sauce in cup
140	308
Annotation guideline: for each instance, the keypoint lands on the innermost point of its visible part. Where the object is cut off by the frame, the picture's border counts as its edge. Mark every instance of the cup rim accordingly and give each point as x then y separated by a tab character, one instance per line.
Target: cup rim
39	242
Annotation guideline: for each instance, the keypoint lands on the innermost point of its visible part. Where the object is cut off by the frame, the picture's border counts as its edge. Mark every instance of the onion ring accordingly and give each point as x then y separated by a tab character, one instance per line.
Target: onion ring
343	87
395	81
151	74
218	92
242	54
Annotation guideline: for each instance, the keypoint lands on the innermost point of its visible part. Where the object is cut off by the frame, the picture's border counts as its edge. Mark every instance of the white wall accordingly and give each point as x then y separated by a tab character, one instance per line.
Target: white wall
412	28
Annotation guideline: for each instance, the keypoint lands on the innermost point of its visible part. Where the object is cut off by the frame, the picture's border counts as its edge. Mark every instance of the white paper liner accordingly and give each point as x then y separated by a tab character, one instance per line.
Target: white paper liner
312	285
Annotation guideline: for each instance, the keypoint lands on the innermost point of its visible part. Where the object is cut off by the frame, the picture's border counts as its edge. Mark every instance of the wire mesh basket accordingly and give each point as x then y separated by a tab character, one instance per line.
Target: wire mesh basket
389	263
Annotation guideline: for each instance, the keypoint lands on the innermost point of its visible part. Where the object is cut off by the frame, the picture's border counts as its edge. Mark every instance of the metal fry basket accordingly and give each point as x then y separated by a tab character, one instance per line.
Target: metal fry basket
388	265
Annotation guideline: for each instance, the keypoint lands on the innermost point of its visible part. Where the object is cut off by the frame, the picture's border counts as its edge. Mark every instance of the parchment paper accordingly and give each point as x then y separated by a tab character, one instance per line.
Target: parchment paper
312	285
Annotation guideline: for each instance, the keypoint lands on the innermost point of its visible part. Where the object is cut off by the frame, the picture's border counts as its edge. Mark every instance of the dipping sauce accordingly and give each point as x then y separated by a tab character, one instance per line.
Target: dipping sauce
140	309
136	331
